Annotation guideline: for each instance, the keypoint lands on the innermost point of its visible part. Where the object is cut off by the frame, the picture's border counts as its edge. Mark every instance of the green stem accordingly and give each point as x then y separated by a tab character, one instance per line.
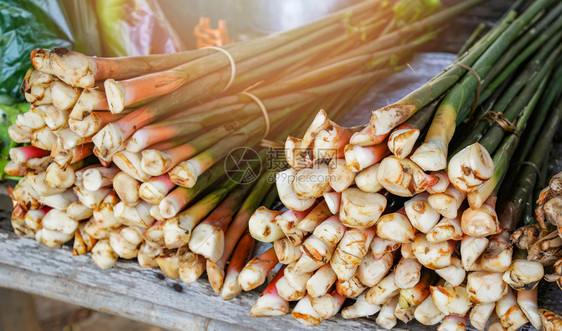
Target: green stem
542	181
528	174
462	95
516	55
455	107
472	39
528	97
270	198
403	109
504	153
555	86
531	70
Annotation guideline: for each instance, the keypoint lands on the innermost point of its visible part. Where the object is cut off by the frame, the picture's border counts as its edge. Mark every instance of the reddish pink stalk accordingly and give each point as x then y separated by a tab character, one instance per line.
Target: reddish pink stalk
238	226
118	67
100	103
365	138
361	157
255	272
163	180
380	150
404	126
377	139
24	153
240	257
270	303
178	198
155	133
207	238
156	189
169	158
138	118
241	254
80	152
272	286
331	142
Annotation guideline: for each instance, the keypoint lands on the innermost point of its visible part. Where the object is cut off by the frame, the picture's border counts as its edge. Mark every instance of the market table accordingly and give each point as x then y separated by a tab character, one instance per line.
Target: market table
147	295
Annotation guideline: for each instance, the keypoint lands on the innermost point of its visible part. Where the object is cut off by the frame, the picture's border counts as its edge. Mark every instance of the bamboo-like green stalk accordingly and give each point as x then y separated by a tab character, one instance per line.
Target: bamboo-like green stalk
436	19
528	175
530	135
385	119
469	132
432	154
529	216
534	87
532	69
524	47
504	153
514	9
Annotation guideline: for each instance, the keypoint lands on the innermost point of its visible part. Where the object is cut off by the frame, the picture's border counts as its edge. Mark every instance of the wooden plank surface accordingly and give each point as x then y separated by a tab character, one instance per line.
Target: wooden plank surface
131	291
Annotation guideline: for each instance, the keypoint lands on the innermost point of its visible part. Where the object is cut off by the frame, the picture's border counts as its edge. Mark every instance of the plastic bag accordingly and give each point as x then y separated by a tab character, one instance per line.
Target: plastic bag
135	27
25	25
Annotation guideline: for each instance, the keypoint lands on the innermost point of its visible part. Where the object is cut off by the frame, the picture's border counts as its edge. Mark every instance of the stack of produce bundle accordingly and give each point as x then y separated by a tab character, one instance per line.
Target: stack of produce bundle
128	156
384	215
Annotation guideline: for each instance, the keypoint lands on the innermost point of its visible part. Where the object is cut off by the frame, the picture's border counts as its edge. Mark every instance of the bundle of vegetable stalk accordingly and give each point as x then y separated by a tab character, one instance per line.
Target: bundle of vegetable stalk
131	157
400	214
